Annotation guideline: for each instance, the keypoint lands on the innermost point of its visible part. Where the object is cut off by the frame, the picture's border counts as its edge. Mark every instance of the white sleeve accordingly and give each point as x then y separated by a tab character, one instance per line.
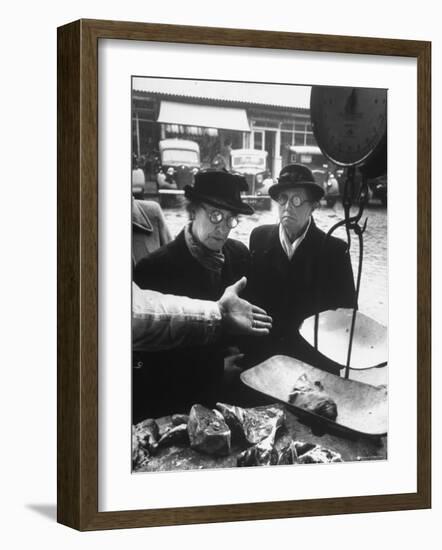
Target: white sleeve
163	321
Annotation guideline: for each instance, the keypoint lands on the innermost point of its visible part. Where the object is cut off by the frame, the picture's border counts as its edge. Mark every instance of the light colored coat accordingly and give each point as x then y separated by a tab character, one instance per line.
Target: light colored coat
149	229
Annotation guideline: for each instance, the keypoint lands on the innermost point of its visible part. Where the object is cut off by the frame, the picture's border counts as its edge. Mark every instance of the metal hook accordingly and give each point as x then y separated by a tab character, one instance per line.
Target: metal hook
364	227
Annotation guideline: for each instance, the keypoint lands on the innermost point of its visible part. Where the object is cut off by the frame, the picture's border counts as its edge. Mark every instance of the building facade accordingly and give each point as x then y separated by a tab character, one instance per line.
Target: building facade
220	115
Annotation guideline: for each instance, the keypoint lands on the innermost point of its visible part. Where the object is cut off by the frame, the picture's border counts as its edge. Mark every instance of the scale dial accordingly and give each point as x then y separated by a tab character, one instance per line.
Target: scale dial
349	124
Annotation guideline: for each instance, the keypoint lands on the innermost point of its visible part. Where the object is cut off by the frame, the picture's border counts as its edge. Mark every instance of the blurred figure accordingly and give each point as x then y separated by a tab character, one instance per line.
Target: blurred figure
266	184
149	229
218	162
225	153
166	180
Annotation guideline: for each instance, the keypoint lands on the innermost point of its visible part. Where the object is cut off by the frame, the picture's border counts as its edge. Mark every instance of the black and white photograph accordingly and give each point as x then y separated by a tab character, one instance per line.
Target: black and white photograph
259	266
229	266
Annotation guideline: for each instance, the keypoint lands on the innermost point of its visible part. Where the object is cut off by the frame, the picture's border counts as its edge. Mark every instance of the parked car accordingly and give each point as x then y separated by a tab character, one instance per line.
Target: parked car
181	155
252	164
178	162
323	169
377	187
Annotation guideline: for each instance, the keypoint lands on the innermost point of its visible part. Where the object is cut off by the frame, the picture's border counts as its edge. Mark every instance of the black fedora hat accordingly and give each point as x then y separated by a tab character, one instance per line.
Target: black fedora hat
296	175
219	188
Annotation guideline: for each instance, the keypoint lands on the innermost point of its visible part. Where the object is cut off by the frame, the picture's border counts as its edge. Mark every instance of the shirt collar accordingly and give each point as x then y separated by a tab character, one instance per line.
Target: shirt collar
288	247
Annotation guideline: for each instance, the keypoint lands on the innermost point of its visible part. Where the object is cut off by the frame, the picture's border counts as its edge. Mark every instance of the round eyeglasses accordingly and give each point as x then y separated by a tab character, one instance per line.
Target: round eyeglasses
216	216
294	200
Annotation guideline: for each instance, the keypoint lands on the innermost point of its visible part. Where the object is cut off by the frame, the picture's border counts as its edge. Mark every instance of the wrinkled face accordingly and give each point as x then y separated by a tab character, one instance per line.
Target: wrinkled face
212	235
294	218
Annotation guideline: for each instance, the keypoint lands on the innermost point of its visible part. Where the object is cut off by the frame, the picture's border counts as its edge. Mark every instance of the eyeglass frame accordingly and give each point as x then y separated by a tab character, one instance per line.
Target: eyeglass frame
290	200
223	217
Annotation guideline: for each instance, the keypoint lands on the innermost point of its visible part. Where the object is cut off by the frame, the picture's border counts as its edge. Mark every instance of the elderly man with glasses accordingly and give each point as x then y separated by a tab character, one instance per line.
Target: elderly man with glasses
295	272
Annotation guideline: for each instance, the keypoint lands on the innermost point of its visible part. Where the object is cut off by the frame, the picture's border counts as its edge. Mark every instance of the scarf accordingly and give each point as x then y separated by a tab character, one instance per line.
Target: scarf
209	259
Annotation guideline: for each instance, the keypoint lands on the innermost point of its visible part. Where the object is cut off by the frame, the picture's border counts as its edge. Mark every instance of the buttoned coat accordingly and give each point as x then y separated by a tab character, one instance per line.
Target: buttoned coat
319	277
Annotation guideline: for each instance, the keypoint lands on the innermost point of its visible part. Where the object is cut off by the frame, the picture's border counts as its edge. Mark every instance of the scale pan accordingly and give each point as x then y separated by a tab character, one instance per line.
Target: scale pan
370	346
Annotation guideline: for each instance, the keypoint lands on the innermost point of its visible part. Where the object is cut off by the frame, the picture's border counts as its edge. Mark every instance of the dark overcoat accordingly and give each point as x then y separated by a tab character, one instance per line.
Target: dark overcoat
171	381
319	277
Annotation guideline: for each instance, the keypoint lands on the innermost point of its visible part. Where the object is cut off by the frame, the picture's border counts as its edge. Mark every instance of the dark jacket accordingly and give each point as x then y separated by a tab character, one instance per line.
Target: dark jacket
173	380
288	289
149	229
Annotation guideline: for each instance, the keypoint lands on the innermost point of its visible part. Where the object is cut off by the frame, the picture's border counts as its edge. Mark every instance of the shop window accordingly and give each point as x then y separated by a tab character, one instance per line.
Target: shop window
258	140
287	139
310	139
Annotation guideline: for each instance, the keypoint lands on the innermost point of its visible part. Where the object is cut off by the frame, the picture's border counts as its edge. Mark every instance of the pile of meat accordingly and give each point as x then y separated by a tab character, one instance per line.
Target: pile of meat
216	432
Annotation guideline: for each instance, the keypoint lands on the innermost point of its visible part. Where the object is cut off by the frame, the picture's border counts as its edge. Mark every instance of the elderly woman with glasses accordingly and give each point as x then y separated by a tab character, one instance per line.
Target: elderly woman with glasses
295	271
200	263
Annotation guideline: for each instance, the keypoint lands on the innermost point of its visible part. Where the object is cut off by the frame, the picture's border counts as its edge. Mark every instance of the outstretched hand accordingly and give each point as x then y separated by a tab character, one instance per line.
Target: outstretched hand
240	316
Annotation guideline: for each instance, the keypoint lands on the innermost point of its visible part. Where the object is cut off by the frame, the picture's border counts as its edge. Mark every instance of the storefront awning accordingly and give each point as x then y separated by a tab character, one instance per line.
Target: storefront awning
207	116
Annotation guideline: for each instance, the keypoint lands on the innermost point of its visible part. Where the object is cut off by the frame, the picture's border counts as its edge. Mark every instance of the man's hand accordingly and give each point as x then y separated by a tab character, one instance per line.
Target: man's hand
240	316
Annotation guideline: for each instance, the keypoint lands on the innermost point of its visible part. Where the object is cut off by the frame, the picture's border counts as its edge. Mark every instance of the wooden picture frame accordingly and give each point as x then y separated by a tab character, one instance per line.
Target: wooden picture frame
77	387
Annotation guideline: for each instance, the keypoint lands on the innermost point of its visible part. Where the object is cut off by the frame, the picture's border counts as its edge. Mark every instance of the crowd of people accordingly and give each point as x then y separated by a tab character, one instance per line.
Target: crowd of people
191	327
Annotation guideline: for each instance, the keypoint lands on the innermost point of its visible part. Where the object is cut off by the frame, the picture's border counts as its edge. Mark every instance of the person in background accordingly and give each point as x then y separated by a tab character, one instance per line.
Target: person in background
266	184
149	229
166	180
225	153
295	272
218	162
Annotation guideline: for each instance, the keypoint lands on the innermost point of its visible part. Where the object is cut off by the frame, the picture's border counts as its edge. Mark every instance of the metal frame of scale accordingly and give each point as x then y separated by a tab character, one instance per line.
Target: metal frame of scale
350	126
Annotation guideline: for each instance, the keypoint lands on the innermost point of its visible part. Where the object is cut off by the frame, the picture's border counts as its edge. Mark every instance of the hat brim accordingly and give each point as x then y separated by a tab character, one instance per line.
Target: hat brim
275	189
241	208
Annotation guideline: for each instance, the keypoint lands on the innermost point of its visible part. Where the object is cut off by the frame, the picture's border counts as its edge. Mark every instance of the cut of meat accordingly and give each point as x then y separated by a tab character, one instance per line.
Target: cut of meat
311	396
178	419
264	452
260	423
144	442
177	435
140	455
295	452
307	453
252	425
261	454
234	418
207	432
148	434
286	455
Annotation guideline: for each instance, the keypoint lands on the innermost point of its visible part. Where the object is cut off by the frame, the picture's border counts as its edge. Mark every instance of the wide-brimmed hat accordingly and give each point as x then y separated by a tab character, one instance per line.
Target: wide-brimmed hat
219	188
296	175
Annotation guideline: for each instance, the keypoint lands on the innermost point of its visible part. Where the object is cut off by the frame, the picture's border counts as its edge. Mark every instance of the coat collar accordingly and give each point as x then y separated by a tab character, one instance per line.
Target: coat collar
275	253
140	218
313	234
274	235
